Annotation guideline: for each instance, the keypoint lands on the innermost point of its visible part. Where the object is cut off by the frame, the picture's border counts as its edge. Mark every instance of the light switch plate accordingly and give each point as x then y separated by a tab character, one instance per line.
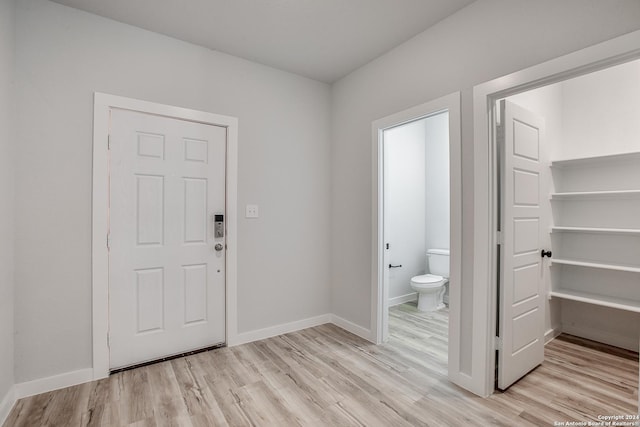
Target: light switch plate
251	211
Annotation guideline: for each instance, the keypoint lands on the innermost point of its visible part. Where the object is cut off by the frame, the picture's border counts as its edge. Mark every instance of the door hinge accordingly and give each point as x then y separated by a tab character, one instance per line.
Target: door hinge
499	238
109	142
498	343
108	241
108	340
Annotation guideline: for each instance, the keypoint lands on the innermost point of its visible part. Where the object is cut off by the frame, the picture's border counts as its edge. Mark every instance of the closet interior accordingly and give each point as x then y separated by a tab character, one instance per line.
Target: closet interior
590	187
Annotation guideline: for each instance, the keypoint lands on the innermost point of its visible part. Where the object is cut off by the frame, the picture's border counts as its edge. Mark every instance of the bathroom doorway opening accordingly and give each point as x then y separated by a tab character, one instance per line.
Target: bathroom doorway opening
417	237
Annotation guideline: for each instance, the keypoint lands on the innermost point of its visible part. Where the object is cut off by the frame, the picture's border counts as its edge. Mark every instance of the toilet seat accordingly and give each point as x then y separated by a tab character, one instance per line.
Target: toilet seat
426	281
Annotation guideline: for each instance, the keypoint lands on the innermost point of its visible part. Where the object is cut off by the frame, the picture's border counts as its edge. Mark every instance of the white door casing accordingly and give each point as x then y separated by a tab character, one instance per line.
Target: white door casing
385	202
166	280
521	327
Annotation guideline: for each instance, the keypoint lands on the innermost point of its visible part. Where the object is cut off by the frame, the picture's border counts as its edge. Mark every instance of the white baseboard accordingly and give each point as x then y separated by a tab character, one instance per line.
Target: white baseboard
402	299
6	404
551	334
69	379
55	382
285	328
626	342
352	327
272	331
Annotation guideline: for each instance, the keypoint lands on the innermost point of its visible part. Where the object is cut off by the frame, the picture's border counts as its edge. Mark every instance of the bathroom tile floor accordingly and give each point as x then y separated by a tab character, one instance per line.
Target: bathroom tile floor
325	376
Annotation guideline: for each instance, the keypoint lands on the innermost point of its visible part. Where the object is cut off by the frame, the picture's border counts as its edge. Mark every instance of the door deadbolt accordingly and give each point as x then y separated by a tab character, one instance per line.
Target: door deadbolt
218	226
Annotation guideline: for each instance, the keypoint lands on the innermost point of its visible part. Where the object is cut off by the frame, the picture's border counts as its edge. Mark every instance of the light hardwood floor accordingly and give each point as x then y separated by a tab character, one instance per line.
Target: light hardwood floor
325	376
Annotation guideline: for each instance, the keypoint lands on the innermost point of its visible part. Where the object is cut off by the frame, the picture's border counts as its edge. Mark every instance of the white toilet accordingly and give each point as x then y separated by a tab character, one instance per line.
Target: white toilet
431	287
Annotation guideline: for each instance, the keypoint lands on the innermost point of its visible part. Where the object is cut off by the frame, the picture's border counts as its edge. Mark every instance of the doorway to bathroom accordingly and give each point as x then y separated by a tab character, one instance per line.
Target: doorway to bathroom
417	243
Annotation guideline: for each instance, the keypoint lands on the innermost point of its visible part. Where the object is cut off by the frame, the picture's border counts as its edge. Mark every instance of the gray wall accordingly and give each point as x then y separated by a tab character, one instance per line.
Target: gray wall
6	194
481	42
63	56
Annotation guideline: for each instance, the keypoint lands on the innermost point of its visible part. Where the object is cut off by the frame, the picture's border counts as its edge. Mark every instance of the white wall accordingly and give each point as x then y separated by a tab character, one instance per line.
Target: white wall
481	42
547	102
63	56
404	204
7	145
615	327
437	220
601	112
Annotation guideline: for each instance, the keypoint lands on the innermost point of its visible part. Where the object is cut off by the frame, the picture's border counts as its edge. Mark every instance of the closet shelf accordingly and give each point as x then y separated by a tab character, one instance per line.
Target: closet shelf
596	265
602	186
614	194
586	161
597	299
594	230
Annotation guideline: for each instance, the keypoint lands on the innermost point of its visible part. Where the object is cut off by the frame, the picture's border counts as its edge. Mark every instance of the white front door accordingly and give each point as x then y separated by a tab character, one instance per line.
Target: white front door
521	325
166	264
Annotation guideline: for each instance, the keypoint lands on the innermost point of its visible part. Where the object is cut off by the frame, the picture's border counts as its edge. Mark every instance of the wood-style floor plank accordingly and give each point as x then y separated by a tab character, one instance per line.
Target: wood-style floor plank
325	376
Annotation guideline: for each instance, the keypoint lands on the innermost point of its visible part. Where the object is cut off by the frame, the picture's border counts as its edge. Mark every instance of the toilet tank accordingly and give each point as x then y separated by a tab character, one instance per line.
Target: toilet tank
438	262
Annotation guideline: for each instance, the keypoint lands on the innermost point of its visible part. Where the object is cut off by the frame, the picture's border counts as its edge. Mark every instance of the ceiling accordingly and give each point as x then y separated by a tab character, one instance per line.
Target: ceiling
321	39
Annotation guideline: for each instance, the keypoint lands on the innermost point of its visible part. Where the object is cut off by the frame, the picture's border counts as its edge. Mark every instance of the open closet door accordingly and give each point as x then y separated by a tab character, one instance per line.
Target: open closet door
521	318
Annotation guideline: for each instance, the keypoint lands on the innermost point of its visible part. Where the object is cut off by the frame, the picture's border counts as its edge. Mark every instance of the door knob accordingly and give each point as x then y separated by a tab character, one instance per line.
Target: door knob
544	253
395	266
218	247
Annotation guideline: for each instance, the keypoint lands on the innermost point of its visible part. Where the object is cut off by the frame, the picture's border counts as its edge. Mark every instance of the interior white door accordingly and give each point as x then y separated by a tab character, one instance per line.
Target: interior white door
166	276
521	324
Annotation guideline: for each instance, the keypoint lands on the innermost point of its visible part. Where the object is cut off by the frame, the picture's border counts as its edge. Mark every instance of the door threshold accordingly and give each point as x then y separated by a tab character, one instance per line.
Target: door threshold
164	359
